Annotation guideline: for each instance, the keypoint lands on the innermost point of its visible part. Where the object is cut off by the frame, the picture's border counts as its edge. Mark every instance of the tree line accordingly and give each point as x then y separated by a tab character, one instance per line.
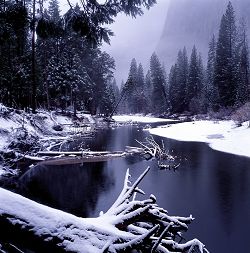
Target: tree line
190	86
54	61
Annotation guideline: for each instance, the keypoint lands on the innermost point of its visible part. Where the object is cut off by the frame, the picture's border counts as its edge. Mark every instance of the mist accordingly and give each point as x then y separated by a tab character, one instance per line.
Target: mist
193	22
136	38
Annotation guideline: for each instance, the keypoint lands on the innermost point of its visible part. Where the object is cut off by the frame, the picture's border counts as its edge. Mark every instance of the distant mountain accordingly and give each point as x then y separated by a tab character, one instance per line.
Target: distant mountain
190	22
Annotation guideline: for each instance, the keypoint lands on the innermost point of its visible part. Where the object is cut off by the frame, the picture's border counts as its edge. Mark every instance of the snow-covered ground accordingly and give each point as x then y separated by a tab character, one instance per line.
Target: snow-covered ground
223	136
139	118
39	125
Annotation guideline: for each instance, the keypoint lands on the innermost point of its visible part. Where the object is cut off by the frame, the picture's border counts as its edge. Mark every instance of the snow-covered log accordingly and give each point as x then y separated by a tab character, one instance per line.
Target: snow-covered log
129	224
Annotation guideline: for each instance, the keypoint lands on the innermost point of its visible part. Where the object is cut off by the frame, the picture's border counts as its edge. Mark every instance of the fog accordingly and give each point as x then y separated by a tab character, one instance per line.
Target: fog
193	22
165	28
136	38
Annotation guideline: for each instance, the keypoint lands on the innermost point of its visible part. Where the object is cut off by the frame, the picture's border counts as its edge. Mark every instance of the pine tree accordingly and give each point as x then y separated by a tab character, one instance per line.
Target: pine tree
242	95
140	99
148	90
225	69
108	100
14	54
174	89
131	87
195	82
159	92
178	87
54	11
211	89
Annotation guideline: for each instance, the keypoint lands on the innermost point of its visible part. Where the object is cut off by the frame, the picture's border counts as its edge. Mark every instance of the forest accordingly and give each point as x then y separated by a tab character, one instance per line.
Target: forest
52	61
69	132
49	60
192	86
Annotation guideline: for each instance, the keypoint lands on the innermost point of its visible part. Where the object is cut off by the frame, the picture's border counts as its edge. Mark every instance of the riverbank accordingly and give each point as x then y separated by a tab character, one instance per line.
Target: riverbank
224	136
140	119
23	133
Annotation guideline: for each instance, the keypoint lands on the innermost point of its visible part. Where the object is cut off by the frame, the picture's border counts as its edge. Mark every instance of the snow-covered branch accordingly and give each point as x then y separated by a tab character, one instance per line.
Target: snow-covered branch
128	225
152	149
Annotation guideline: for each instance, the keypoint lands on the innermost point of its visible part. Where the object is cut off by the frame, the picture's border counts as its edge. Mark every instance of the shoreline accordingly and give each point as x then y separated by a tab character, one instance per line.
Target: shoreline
224	136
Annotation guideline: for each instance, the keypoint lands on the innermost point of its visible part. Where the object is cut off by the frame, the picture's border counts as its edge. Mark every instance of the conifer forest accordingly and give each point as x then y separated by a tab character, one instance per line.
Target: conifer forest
124	126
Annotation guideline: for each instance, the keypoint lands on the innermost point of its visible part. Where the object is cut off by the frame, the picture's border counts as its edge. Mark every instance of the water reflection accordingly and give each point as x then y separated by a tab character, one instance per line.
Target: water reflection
74	188
213	186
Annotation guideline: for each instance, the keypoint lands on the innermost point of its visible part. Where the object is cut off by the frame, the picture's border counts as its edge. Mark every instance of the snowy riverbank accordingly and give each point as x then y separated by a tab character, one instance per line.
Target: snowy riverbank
139	119
22	132
44	130
223	136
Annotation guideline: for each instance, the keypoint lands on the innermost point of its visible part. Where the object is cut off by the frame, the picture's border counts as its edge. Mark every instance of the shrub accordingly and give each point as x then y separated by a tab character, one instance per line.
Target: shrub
242	114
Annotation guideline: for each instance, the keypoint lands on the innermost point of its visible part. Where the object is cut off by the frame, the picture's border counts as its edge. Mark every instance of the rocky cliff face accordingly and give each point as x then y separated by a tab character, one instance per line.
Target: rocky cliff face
190	22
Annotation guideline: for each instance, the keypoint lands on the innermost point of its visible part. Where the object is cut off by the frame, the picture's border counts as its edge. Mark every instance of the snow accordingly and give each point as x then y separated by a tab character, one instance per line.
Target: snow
89	118
40	124
2	171
223	136
50	222
139	118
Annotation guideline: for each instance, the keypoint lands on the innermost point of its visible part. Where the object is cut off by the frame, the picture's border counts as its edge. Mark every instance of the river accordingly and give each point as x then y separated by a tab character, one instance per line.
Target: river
212	186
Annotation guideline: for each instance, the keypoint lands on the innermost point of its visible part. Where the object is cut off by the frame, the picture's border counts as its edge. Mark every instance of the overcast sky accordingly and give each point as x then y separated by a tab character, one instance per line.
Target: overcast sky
136	38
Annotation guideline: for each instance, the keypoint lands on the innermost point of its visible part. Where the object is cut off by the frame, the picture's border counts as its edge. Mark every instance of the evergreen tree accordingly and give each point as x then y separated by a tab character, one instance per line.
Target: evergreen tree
178	83
242	88
131	89
14	54
54	11
108	99
148	91
140	98
123	105
195	82
225	69
159	92
91	19
211	89
174	89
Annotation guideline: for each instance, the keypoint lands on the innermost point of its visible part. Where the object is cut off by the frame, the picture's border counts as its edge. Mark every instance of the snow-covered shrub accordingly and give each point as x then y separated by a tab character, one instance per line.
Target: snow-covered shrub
242	114
4	111
3	108
222	114
22	141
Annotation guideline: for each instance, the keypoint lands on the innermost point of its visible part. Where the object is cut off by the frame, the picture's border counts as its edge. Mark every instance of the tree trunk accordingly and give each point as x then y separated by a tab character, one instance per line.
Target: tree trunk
33	44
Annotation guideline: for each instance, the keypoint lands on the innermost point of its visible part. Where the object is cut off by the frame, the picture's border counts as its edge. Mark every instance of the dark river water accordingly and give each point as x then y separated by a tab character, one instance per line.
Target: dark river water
212	186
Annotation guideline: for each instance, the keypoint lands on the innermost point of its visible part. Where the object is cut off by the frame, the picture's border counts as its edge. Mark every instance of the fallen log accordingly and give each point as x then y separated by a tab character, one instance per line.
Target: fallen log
128	225
76	153
64	160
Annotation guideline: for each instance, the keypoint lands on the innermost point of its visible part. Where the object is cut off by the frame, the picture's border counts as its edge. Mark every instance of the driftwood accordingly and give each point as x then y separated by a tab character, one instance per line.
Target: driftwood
75	157
130	225
152	149
76	153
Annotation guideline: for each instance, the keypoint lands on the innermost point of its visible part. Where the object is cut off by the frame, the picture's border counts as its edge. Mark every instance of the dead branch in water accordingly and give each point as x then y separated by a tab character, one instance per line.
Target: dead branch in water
152	149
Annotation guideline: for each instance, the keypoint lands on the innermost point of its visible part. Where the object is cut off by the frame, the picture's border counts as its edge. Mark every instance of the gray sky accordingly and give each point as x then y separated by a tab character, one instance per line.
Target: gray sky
136	38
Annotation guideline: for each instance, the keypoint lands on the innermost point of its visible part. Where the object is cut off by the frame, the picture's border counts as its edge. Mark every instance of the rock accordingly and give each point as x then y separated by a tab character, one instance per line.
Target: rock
57	127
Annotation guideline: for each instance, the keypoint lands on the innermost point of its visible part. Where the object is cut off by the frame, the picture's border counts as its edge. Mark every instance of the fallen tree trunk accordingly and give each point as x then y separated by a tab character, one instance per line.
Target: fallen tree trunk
77	153
79	160
128	225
